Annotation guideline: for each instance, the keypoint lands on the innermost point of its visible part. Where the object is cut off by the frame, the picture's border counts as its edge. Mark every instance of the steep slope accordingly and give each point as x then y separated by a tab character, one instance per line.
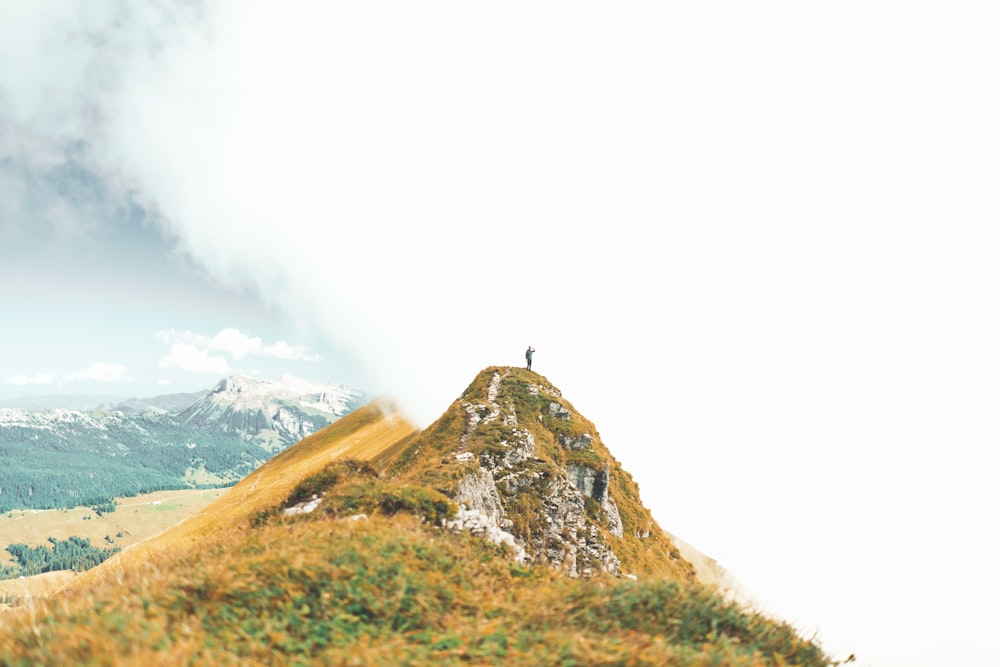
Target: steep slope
711	573
522	462
245	583
364	434
270	413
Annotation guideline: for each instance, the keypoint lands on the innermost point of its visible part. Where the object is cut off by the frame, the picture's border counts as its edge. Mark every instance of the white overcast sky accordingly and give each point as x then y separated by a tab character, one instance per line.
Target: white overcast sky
755	243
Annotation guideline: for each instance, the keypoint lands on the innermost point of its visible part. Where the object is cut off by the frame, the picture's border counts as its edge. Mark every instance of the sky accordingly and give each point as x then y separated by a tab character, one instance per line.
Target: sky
754	243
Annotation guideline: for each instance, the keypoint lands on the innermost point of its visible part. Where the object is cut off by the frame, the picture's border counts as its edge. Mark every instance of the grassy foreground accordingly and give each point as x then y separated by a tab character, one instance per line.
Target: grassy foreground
369	577
390	588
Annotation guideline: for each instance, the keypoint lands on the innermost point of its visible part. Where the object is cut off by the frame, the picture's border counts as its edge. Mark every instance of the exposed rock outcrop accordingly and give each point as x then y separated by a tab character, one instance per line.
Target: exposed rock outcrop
477	522
593	483
528	471
508	474
576	444
478	490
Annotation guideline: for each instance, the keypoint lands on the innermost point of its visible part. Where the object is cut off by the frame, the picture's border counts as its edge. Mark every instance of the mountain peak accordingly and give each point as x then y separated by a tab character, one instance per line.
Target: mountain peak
280	411
372	572
286	385
236	383
522	462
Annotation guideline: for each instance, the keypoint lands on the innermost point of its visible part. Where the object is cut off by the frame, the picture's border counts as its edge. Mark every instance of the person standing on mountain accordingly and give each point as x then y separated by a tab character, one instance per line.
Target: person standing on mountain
527	355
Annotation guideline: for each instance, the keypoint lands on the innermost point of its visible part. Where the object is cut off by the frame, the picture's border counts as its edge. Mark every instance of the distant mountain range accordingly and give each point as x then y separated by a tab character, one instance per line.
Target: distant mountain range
61	402
63	457
273	414
166	404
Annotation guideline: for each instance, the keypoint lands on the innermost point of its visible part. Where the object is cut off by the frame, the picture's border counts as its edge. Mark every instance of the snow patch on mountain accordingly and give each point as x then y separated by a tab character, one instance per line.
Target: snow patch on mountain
58	421
245	393
273	413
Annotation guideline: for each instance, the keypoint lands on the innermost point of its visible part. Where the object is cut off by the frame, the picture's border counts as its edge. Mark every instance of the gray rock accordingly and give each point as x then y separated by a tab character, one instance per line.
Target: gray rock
594	484
518	449
478	490
576	444
588	481
305	507
477	522
559	412
563	535
615	526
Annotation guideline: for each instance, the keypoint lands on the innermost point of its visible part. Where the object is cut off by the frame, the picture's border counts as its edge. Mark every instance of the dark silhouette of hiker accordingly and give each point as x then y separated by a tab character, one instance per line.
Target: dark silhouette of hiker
527	355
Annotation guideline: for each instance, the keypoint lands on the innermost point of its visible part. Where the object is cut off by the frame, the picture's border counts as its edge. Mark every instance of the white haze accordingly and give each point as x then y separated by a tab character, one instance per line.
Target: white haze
755	243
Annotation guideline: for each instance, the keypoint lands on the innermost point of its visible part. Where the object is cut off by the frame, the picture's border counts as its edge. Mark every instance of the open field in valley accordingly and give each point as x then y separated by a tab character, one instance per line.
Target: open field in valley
135	519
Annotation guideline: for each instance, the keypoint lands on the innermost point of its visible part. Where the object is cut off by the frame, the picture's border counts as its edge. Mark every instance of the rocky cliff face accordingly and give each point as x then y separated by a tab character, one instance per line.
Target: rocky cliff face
528	470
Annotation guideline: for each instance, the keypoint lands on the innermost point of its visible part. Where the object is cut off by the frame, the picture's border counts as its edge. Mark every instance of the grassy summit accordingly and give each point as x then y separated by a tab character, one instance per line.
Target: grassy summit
505	406
370	576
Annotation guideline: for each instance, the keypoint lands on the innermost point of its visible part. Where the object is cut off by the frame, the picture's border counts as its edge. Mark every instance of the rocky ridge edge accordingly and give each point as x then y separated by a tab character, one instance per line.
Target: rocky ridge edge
569	538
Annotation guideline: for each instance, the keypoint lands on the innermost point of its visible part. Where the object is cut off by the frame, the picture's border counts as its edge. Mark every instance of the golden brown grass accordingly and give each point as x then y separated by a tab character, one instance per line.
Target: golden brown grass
242	584
363	435
385	591
644	549
37	586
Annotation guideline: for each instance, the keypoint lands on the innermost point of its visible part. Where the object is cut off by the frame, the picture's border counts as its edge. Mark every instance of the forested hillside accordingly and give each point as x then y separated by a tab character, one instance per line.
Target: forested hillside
67	458
93	458
76	554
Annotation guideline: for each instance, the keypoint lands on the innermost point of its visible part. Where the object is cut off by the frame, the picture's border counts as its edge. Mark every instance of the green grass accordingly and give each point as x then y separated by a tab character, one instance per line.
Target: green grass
388	590
329	477
349	487
243	584
428	460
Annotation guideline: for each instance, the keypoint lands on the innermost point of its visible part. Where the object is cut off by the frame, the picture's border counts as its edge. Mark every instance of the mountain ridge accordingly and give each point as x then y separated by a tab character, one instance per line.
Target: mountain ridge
343	549
275	413
536	452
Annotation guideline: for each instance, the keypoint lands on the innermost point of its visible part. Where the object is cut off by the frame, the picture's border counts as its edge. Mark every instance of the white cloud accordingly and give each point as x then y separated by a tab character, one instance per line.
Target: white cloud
755	244
168	336
239	345
38	379
101	372
188	357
